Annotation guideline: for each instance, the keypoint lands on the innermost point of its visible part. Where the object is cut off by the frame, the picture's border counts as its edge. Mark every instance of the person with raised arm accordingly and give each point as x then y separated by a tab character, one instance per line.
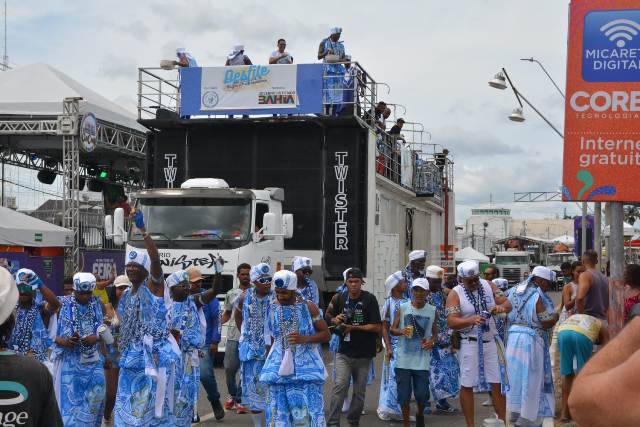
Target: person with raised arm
148	352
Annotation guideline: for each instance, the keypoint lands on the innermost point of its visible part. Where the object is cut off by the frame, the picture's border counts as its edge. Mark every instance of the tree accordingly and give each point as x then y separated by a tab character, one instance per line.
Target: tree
631	213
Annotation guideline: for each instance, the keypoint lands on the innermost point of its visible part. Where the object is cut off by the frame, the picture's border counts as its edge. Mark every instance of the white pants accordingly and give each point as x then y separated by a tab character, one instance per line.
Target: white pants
468	358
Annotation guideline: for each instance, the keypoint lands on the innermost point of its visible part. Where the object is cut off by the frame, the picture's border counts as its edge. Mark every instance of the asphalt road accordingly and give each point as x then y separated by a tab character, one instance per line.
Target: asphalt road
370	419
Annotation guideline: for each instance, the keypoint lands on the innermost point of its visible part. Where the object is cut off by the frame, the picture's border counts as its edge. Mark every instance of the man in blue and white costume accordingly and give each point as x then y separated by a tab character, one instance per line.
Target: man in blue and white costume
415	269
307	287
186	324
148	352
388	407
331	52
444	381
185	59
470	306
531	396
30	336
294	372
252	318
79	381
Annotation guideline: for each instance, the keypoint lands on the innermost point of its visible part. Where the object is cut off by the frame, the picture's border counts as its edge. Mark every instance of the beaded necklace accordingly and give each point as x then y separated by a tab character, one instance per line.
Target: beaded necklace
83	324
479	306
20	339
130	324
258	311
287	326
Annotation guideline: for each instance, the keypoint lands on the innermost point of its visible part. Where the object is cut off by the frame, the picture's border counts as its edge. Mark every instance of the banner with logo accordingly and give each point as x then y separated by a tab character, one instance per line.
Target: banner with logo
602	112
251	89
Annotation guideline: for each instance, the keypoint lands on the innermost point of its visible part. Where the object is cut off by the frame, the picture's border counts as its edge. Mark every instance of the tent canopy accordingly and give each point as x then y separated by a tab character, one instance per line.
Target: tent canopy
38	90
470	253
18	229
566	239
627	230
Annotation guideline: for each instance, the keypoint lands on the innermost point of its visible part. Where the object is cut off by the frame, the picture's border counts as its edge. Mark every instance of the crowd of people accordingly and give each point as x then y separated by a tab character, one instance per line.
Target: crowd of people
139	359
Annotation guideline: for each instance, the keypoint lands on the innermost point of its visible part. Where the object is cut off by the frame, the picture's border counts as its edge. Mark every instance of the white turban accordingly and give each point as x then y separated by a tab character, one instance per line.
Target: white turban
28	277
139	257
180	51
501	283
434	272
301	262
176	278
257	271
335	30
392	281
84	282
236	51
544	273
285	279
8	294
468	268
419	254
420	282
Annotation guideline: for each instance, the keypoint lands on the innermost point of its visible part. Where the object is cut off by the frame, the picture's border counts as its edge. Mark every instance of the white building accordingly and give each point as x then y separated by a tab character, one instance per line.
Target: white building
485	226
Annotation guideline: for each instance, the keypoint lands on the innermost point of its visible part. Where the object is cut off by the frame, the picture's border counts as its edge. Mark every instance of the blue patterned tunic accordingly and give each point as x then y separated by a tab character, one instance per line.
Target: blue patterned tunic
388	402
184	318
333	93
531	395
252	347
444	371
79	374
294	399
310	291
148	356
30	332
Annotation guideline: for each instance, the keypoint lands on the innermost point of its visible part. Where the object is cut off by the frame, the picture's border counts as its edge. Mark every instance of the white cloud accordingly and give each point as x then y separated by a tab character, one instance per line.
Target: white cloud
436	56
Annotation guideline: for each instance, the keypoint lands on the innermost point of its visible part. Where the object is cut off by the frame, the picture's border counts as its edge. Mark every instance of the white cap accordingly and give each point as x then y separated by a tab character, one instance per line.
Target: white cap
392	281
8	294
468	268
285	279
434	272
420	282
419	254
121	281
544	273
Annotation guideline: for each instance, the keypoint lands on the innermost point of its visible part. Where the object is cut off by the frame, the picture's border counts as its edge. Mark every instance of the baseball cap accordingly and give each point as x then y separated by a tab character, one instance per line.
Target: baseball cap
420	283
355	273
194	274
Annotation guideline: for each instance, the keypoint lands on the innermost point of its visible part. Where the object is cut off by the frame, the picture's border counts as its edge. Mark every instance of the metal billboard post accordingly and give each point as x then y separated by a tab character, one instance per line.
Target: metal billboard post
71	180
583	230
616	241
597	230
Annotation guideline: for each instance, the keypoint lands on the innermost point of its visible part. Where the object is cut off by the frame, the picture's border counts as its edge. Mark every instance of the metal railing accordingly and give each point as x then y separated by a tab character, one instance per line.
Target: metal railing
156	91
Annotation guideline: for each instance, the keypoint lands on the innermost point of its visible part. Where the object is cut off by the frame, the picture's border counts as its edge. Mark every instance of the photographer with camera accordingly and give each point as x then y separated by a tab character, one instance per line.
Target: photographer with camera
357	324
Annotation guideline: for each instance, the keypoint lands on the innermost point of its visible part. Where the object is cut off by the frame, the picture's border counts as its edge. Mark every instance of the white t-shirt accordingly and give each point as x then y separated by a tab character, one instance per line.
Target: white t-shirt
286	60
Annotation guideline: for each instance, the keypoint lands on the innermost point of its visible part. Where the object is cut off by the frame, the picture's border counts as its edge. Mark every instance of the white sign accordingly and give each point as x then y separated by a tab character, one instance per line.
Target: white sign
249	87
88	133
170	170
340	208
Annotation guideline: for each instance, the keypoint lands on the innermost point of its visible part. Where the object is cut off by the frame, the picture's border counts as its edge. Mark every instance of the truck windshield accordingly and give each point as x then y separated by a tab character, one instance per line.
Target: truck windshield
197	219
513	259
559	259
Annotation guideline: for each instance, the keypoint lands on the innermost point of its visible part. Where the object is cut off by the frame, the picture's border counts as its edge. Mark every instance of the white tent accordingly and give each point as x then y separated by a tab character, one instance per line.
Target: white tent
566	239
38	90
470	253
627	230
18	229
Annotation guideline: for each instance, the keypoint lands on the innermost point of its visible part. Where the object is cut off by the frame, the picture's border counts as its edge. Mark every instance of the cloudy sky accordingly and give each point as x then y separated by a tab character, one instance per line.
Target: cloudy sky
436	55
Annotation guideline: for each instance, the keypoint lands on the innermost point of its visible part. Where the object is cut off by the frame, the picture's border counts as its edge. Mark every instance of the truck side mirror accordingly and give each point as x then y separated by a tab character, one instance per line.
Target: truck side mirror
287	225
114	227
270	226
119	233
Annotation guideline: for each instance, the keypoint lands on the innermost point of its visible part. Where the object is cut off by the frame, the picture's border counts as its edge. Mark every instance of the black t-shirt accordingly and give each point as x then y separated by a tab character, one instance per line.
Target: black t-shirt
363	310
27	398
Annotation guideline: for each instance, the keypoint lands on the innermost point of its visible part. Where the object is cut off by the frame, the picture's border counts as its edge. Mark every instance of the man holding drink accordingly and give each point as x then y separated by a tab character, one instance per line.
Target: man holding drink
415	326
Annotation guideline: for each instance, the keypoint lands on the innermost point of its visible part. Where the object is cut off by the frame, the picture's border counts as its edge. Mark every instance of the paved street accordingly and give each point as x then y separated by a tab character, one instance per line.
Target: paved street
371	403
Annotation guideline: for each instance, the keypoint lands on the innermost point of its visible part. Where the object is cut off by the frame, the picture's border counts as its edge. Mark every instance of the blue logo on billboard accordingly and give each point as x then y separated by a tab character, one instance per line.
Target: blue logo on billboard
611	46
210	99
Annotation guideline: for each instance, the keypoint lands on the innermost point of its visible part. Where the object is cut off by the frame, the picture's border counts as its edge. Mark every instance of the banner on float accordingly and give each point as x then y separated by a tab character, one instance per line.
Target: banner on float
251	89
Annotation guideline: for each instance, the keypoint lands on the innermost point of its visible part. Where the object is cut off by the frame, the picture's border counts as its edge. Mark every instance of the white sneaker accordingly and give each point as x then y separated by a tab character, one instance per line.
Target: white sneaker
488	402
384	416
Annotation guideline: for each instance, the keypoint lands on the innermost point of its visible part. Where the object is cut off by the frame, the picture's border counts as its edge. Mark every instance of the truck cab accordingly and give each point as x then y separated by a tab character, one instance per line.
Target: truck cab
205	220
513	265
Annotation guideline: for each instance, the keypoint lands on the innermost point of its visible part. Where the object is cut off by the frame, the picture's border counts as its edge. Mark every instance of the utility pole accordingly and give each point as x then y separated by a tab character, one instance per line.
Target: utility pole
5	58
473	236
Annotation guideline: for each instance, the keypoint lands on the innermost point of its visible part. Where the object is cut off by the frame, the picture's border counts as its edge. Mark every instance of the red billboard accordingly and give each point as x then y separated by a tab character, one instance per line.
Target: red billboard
602	111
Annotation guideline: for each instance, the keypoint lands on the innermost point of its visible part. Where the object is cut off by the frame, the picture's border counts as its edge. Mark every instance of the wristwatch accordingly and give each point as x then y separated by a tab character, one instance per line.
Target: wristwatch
635	310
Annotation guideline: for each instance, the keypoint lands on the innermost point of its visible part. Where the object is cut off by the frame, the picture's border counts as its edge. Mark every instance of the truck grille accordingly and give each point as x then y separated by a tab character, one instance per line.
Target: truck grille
513	275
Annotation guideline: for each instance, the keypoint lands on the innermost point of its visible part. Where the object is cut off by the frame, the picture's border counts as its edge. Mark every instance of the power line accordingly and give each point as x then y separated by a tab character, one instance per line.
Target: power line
33	189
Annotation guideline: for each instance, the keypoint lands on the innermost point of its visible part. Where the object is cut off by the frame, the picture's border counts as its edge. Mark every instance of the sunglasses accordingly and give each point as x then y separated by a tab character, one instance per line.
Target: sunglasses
25	289
264	280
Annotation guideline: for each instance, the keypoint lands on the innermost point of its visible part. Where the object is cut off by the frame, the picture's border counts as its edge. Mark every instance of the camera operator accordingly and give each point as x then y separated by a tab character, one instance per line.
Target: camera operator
358	324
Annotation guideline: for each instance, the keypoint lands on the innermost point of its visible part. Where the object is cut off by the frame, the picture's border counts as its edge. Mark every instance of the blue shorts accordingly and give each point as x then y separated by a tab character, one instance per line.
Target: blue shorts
408	379
573	346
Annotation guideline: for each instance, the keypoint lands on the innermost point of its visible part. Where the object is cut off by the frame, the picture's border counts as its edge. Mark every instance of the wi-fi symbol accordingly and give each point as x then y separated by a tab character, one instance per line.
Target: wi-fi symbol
621	29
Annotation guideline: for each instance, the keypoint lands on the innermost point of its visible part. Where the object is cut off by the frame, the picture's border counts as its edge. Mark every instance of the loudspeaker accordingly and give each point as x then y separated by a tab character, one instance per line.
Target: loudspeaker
46	176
